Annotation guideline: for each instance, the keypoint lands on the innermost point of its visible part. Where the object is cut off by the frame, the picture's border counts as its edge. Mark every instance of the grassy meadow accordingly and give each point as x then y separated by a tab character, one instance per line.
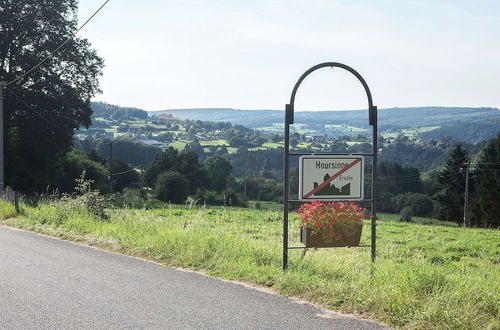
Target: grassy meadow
426	276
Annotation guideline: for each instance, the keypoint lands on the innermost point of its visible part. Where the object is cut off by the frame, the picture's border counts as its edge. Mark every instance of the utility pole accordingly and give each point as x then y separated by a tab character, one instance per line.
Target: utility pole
2	177
110	180
466	195
245	188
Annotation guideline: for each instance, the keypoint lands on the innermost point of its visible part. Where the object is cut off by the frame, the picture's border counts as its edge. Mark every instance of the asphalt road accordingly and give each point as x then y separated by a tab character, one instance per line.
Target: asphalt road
46	283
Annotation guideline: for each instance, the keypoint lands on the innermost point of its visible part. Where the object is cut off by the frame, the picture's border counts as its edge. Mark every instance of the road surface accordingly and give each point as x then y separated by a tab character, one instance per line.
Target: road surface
47	283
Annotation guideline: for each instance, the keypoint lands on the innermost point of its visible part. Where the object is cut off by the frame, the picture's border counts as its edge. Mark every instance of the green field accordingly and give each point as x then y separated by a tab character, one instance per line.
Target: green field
272	145
179	145
411	132
270	206
425	276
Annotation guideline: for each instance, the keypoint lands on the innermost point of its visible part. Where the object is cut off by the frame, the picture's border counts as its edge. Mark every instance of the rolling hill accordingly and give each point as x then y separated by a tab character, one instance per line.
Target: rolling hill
423	120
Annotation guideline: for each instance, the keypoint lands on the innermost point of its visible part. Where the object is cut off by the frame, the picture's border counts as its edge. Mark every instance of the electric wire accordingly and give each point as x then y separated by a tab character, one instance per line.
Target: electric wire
120	173
56	49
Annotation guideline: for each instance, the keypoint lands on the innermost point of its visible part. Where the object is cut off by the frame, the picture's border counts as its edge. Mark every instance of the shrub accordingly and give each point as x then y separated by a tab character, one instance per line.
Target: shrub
231	197
88	199
7	210
405	214
129	197
384	202
171	187
420	204
228	197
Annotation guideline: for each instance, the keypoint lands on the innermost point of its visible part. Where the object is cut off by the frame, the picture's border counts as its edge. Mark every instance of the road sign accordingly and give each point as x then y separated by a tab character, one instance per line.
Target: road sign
331	177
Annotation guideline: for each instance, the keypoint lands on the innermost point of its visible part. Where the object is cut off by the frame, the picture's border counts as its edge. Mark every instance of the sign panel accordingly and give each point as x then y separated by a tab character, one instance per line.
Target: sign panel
331	177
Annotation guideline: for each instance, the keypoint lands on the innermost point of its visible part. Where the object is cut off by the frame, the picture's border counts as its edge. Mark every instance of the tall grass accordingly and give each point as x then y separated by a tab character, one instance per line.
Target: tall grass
425	276
7	210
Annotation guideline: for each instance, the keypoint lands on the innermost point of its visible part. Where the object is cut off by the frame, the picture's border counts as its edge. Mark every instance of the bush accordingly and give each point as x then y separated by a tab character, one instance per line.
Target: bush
129	197
90	200
228	197
384	202
420	204
171	187
231	197
7	210
405	214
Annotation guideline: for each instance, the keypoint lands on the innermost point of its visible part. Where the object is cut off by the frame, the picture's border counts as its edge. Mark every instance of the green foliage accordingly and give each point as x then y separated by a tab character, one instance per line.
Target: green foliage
184	163
486	205
450	200
90	200
7	210
227	197
384	202
218	170
165	160
135	153
406	214
171	187
74	164
43	108
124	176
396	179
110	111
131	198
420	204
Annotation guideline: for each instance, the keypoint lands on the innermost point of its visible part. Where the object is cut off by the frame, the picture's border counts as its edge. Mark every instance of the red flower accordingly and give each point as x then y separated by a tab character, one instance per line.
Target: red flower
327	218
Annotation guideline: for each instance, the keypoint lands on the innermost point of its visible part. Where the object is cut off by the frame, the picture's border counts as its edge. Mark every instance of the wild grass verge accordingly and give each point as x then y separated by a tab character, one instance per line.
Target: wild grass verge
7	210
425	276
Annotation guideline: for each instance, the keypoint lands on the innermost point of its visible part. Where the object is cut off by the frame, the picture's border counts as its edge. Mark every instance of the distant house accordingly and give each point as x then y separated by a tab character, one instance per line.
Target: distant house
310	138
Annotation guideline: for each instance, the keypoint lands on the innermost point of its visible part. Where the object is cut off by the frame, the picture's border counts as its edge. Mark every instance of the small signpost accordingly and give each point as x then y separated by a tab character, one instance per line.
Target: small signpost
331	177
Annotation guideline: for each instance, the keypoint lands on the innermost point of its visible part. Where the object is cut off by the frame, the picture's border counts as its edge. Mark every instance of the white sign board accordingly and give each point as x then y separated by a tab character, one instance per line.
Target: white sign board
331	177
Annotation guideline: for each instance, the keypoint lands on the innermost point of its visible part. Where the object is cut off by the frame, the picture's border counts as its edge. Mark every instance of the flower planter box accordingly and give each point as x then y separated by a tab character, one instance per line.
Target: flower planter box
351	238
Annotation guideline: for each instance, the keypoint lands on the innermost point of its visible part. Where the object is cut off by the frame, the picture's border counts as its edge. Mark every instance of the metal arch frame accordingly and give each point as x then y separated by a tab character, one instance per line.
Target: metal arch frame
289	119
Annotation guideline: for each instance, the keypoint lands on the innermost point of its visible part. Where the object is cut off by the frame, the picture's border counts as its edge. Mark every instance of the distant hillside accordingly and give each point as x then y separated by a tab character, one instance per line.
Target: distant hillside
335	123
474	131
461	124
110	111
422	147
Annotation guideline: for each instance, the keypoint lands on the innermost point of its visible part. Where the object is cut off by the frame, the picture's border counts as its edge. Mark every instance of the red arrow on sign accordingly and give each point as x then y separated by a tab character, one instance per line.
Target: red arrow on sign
330	179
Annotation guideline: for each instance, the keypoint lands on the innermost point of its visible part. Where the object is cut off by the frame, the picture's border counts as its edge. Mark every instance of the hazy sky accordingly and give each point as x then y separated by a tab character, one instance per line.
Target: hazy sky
163	54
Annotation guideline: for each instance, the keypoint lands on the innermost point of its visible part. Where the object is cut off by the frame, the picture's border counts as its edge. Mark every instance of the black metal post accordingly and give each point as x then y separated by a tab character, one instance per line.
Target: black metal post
288	114
466	195
2	133
110	167
373	122
289	119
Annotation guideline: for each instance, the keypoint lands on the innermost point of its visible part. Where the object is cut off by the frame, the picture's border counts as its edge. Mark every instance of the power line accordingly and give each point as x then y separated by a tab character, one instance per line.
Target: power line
55	50
120	173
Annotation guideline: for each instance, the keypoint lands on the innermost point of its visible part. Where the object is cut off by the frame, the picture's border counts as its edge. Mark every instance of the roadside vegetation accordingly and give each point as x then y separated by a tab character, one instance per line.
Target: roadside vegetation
426	276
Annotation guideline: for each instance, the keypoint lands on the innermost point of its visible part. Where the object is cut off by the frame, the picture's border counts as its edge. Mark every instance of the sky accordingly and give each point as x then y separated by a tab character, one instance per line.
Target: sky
166	54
